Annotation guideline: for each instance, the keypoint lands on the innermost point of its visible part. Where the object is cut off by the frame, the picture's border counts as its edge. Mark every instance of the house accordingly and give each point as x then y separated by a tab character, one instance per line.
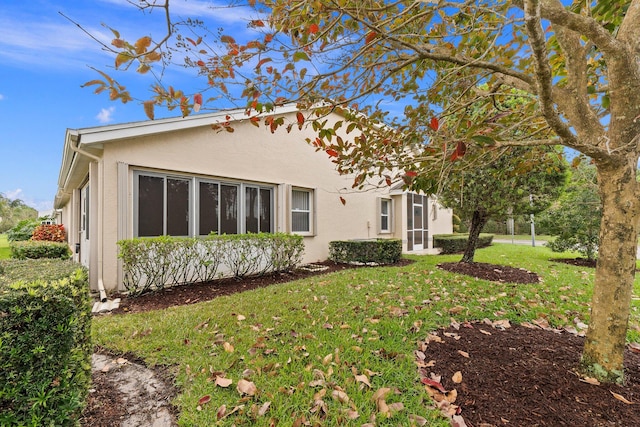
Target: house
179	177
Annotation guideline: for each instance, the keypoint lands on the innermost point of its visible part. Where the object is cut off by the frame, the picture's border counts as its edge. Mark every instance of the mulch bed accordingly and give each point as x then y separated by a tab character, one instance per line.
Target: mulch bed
518	376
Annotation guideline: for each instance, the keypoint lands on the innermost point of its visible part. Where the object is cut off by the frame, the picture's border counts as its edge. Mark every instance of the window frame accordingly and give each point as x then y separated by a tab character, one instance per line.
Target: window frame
310	211
194	206
389	215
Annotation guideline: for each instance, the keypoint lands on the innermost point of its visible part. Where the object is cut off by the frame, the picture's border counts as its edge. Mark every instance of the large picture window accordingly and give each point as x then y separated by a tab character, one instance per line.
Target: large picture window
170	205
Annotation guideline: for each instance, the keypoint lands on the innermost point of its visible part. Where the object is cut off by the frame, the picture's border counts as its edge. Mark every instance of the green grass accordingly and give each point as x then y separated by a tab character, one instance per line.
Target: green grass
295	340
521	237
5	252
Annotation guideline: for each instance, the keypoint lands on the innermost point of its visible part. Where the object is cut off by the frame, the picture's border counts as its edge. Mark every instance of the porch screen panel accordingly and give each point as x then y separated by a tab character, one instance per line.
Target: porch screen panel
425	219
228	209
251	210
150	206
409	222
177	207
208	209
265	210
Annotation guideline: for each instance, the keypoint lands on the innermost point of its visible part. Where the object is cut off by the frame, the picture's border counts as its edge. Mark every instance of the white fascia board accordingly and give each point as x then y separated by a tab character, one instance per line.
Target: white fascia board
99	135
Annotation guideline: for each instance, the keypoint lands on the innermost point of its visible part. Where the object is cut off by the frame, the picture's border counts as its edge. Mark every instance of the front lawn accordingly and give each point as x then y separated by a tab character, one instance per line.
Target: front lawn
317	350
5	251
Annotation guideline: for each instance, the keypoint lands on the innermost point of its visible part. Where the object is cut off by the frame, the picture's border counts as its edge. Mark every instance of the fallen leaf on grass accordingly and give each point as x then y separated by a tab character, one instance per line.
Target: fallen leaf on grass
340	396
264	408
363	379
246	387
621	398
202	401
228	347
457	309
223	382
418	420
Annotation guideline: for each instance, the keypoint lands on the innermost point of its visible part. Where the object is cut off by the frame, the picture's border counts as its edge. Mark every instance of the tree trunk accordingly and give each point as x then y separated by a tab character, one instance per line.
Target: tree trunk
478	220
603	353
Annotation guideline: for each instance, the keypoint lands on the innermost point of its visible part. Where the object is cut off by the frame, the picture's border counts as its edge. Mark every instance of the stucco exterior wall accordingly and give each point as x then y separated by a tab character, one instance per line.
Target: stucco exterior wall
249	154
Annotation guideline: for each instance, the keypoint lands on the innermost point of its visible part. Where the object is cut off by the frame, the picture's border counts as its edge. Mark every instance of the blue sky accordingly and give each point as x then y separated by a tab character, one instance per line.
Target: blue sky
45	58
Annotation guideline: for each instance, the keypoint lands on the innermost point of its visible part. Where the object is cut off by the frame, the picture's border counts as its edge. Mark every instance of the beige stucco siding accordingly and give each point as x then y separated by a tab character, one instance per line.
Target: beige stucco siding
249	154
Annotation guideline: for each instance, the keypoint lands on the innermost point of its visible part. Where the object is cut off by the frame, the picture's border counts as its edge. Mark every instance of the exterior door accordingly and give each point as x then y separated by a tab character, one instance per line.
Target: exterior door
84	226
417	222
418	215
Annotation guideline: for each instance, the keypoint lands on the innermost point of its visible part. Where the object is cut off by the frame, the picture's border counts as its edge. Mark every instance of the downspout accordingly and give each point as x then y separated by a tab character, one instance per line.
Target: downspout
76	149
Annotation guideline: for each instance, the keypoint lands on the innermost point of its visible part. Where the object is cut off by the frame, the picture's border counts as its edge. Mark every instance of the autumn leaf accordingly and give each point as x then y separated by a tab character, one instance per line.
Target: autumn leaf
149	107
370	37
313	28
264	408
204	399
621	398
411	173
434	384
246	387
463	353
343	201
340	396
228	347
363	379
332	153
457	377
223	382
434	123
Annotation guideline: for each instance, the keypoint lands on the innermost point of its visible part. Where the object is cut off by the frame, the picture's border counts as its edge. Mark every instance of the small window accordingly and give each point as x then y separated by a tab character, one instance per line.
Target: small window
301	207
385	215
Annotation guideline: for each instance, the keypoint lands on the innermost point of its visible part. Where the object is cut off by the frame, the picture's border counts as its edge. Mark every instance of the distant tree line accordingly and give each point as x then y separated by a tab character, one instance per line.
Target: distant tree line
14	211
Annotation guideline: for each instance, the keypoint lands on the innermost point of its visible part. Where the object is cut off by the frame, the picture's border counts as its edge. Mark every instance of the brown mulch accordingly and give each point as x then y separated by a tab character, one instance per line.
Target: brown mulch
514	377
492	272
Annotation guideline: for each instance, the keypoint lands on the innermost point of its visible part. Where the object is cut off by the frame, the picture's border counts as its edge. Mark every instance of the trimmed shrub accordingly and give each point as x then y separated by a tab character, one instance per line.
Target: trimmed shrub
45	342
34	249
50	233
153	263
455	243
376	251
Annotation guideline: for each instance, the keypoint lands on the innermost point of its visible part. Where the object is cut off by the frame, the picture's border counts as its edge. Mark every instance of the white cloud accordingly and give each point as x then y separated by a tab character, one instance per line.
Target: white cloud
105	115
13	194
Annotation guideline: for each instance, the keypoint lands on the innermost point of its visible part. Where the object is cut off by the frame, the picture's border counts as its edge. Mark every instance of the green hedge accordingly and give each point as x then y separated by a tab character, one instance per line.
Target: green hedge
35	249
376	251
45	342
152	263
455	243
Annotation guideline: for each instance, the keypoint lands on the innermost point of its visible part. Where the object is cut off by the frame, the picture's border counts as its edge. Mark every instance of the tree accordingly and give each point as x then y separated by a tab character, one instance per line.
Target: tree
523	180
14	211
575	219
578	63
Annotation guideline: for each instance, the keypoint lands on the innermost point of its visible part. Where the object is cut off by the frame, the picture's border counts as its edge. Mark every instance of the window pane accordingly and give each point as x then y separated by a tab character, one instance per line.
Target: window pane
228	209
300	200
300	221
150	206
208	212
300	211
384	223
265	210
177	207
251	210
384	207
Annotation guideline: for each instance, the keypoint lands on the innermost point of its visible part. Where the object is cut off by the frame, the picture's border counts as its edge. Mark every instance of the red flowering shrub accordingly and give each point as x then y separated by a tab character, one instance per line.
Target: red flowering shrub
50	233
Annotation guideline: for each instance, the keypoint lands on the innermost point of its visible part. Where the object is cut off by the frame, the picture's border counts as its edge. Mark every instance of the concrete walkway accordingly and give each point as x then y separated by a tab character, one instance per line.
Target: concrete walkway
539	243
146	396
